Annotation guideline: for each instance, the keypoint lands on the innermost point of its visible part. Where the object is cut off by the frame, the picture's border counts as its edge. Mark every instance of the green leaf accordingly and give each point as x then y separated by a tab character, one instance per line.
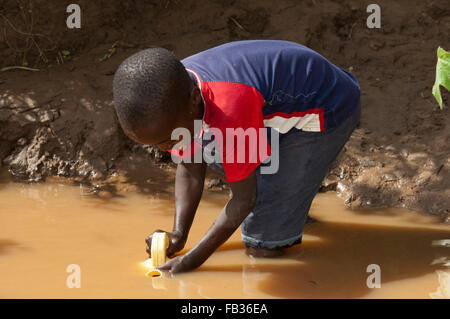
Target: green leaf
442	74
25	63
65	52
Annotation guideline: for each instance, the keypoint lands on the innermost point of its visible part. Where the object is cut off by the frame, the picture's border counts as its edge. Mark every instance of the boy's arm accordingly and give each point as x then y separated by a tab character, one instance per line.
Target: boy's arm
189	182
232	215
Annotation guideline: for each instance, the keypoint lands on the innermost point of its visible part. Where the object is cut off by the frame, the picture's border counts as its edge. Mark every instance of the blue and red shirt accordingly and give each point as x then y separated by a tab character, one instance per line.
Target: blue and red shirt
270	83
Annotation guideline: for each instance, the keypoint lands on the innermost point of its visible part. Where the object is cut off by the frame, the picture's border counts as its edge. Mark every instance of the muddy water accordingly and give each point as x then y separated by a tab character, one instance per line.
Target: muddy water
44	228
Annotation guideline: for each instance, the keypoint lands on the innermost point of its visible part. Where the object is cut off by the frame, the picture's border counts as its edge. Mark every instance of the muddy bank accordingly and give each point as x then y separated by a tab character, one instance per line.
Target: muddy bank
60	132
60	120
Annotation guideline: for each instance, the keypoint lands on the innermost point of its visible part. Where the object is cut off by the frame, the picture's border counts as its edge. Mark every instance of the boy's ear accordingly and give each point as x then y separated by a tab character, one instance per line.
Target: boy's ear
195	99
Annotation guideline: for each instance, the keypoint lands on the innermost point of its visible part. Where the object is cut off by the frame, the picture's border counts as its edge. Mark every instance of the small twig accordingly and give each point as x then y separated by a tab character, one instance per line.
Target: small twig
8	68
41	52
21	32
30	109
111	51
11	46
439	169
29	35
61	57
351	31
238	24
21	10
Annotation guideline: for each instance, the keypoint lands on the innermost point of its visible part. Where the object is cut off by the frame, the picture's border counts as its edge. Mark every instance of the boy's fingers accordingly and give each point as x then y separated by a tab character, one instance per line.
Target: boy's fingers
148	239
163	267
166	266
171	250
172	265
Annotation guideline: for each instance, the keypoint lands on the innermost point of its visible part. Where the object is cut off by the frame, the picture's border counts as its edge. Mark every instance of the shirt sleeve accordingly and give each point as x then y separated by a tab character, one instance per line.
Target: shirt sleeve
237	111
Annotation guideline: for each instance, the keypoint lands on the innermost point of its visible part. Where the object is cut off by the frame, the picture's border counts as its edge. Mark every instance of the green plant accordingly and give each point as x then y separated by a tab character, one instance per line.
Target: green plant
111	51
65	53
442	74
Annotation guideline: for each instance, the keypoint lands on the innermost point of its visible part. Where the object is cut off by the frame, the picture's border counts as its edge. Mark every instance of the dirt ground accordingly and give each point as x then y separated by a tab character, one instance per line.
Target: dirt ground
59	120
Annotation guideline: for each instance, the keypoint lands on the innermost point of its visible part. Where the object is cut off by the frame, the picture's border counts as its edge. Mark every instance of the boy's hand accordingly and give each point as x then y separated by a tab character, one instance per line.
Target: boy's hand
176	242
234	212
176	265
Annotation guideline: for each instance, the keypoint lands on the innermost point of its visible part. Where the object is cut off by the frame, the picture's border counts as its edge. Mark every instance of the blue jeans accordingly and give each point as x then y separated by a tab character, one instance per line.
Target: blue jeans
284	198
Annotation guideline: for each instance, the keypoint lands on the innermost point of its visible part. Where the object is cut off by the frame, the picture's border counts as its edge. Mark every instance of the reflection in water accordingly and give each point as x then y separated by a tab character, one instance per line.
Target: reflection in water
46	227
443	291
335	266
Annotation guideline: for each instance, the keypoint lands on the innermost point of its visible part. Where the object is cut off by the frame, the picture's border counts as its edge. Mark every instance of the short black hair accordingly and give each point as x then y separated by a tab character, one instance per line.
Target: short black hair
147	86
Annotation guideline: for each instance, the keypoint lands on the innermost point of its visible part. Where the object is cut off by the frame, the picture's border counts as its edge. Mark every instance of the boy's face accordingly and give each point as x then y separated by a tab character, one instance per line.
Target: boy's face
160	131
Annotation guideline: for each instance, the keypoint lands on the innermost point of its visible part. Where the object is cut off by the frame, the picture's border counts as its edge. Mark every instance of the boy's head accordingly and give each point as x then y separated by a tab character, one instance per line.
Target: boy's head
153	95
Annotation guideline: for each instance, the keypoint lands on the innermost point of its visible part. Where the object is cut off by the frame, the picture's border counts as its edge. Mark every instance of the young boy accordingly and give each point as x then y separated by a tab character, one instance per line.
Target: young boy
281	87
